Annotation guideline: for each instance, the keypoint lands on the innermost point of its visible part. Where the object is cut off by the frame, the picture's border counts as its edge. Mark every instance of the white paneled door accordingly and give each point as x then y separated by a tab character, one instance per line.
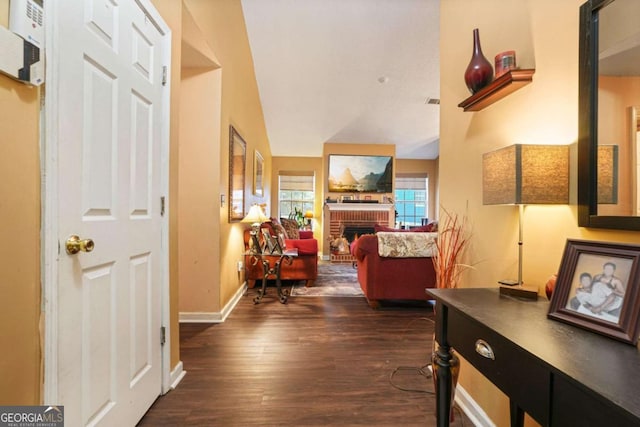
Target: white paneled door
105	95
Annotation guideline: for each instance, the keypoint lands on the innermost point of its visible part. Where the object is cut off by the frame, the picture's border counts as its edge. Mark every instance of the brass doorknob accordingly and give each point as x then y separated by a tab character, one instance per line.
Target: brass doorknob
75	244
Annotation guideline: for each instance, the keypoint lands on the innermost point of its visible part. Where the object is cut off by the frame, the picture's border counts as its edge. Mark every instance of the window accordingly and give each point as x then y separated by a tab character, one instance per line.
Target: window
411	199
296	190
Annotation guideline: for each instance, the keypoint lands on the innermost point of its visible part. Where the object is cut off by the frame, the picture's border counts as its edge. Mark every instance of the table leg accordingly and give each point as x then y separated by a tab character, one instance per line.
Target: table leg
444	383
267	271
516	413
282	296
263	288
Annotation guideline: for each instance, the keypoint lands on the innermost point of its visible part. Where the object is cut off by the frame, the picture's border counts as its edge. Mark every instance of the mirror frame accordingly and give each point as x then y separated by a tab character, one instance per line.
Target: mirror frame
588	125
237	167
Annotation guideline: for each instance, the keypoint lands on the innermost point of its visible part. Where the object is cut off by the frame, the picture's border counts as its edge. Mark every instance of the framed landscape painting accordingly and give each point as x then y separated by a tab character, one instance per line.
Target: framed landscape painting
360	174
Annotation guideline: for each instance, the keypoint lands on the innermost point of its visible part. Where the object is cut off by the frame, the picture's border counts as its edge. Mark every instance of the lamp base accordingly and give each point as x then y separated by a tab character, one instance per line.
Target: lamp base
255	246
526	292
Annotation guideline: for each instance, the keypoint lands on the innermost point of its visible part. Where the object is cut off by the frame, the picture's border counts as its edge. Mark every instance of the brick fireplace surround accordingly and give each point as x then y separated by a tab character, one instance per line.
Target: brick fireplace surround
358	216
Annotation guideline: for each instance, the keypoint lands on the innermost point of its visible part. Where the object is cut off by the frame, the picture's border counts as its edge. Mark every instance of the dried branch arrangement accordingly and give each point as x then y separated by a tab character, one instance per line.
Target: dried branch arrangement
451	243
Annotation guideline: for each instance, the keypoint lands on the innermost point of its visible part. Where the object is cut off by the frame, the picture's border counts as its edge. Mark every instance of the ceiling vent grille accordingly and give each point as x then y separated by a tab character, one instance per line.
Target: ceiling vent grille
433	101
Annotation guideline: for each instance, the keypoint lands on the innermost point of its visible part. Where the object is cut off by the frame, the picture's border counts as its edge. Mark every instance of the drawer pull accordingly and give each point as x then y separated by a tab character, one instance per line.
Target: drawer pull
484	349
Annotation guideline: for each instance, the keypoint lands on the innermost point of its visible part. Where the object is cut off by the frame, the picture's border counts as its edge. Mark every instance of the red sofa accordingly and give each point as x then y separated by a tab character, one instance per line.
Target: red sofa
390	278
302	267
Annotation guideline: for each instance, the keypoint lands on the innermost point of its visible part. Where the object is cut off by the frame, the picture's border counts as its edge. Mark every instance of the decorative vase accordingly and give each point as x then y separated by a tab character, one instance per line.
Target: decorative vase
550	286
479	72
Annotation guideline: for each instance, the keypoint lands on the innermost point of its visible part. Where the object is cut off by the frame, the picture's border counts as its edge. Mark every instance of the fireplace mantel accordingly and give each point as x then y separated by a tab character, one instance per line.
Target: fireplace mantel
359	206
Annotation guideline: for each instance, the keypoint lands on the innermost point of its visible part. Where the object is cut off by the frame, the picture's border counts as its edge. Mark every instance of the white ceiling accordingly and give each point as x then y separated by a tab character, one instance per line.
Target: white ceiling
319	66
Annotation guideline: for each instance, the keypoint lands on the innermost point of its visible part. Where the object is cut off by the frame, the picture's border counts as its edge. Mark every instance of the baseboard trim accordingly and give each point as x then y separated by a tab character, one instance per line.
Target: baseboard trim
471	409
177	375
213	317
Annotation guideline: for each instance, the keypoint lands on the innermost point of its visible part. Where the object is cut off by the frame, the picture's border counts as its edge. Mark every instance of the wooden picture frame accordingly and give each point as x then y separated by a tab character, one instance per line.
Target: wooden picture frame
281	242
237	165
268	244
258	174
598	288
277	248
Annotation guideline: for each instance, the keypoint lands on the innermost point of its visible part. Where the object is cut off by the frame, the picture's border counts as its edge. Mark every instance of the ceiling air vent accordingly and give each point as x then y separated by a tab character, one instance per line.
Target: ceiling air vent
434	101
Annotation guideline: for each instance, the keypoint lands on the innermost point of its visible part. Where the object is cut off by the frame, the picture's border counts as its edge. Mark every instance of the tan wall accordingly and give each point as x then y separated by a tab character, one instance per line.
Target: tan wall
222	26
20	294
544	34
199	192
197	174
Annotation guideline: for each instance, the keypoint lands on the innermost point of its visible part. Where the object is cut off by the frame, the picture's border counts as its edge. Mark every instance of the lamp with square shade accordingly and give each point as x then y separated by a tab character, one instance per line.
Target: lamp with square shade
523	174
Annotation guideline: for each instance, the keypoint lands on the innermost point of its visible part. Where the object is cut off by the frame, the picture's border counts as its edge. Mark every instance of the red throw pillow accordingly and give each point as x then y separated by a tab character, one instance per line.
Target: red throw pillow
306	234
279	229
433	226
422	229
378	227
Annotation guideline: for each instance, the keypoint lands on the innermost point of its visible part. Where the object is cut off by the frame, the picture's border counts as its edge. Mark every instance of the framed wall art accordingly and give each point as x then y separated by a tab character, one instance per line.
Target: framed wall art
258	174
237	164
598	288
360	174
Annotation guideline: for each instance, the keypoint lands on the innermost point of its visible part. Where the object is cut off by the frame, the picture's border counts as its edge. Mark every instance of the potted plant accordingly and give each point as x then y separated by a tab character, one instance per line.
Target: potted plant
298	216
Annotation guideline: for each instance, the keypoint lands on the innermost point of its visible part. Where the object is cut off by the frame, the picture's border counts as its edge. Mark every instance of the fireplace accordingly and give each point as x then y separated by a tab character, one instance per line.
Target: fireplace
352	231
348	220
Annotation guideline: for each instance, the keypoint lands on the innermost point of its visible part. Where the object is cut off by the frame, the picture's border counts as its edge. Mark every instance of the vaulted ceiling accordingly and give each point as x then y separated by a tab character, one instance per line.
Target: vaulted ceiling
347	71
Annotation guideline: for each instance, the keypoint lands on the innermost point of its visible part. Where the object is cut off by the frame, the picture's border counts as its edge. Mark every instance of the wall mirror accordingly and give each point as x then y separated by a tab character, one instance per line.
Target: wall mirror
237	164
609	100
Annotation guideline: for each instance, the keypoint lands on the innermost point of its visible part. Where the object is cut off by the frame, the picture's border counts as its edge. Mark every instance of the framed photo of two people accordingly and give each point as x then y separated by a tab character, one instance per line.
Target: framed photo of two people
598	288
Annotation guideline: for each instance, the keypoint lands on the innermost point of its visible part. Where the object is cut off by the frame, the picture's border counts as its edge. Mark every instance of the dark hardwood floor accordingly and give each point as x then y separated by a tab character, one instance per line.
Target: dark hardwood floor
312	362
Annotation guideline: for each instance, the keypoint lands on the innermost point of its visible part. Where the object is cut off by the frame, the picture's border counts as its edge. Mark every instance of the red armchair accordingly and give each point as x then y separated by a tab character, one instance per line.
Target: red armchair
302	267
390	278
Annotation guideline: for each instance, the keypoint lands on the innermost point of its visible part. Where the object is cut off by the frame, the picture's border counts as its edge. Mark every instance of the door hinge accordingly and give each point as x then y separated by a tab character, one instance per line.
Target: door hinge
163	335
162	206
164	75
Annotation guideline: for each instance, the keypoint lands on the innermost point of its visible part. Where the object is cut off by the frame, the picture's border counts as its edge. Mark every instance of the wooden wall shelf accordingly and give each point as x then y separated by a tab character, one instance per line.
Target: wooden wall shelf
496	90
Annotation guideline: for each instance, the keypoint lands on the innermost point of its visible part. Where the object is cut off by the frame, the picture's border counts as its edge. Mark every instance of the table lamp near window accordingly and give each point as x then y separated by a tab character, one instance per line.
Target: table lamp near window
255	217
308	215
521	175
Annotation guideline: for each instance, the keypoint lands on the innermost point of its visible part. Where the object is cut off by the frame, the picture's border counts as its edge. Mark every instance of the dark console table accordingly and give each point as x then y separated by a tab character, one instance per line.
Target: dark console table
559	374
